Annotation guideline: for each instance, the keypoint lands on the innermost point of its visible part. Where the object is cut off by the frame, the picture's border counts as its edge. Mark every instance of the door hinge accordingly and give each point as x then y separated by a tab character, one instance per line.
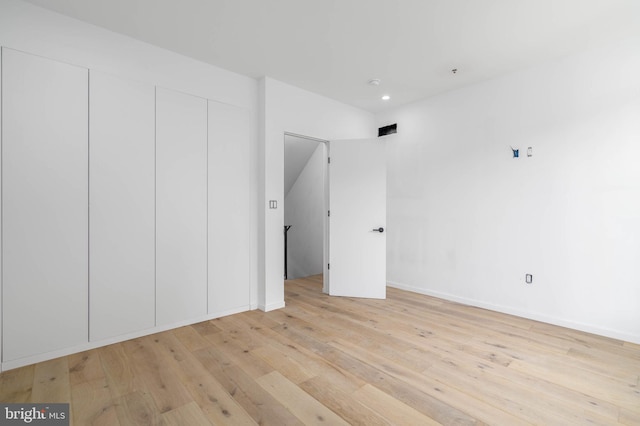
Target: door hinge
328	266
329	160
329	213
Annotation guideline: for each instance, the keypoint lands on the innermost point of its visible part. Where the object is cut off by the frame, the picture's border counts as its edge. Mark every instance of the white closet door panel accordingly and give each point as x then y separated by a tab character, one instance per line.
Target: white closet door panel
181	206
122	206
1	239
45	201
229	216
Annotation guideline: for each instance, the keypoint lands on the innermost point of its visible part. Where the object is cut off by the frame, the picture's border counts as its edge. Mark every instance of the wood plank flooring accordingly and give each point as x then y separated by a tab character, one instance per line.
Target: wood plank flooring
407	360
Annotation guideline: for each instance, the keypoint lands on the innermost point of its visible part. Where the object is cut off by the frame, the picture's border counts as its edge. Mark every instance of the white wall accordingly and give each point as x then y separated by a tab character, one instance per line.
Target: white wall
467	221
27	28
284	108
304	211
41	32
281	108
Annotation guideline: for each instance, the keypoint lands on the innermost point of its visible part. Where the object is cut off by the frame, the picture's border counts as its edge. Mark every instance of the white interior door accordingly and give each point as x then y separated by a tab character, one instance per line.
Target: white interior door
122	211
229	204
357	223
181	207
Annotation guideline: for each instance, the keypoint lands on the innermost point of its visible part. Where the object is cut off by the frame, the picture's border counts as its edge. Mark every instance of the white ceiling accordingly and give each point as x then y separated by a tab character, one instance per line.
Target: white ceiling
333	47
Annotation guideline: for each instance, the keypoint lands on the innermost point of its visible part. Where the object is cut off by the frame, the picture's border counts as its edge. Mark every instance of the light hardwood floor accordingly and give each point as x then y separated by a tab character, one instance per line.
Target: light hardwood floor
407	360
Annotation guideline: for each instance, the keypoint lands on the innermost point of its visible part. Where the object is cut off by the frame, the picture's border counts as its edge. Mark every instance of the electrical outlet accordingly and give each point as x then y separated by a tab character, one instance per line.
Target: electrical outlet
528	279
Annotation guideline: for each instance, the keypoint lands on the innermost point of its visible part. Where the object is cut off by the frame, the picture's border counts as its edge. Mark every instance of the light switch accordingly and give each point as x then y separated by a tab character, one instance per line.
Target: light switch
273	204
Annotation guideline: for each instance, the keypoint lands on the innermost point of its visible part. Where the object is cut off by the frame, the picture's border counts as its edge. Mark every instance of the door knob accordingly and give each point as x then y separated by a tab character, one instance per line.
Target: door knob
381	229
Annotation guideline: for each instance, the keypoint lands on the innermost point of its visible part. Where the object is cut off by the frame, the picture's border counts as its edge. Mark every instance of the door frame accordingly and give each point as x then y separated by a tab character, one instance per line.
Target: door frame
326	207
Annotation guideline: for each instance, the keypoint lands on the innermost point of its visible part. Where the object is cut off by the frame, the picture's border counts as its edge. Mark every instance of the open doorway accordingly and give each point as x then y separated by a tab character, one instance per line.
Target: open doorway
305	208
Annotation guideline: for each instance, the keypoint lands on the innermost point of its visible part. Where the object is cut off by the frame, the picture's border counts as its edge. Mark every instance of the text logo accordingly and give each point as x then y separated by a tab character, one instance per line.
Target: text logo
34	414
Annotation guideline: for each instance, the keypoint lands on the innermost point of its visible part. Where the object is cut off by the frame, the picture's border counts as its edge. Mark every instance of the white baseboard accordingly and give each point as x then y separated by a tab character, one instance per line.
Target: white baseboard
9	365
271	306
588	328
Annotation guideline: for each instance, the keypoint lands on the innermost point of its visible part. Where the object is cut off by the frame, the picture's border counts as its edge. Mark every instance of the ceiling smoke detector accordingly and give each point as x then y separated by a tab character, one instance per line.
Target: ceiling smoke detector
374	82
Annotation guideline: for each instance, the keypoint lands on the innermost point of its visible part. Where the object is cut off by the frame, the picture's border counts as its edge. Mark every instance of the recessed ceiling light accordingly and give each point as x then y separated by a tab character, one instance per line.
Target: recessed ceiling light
386	97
